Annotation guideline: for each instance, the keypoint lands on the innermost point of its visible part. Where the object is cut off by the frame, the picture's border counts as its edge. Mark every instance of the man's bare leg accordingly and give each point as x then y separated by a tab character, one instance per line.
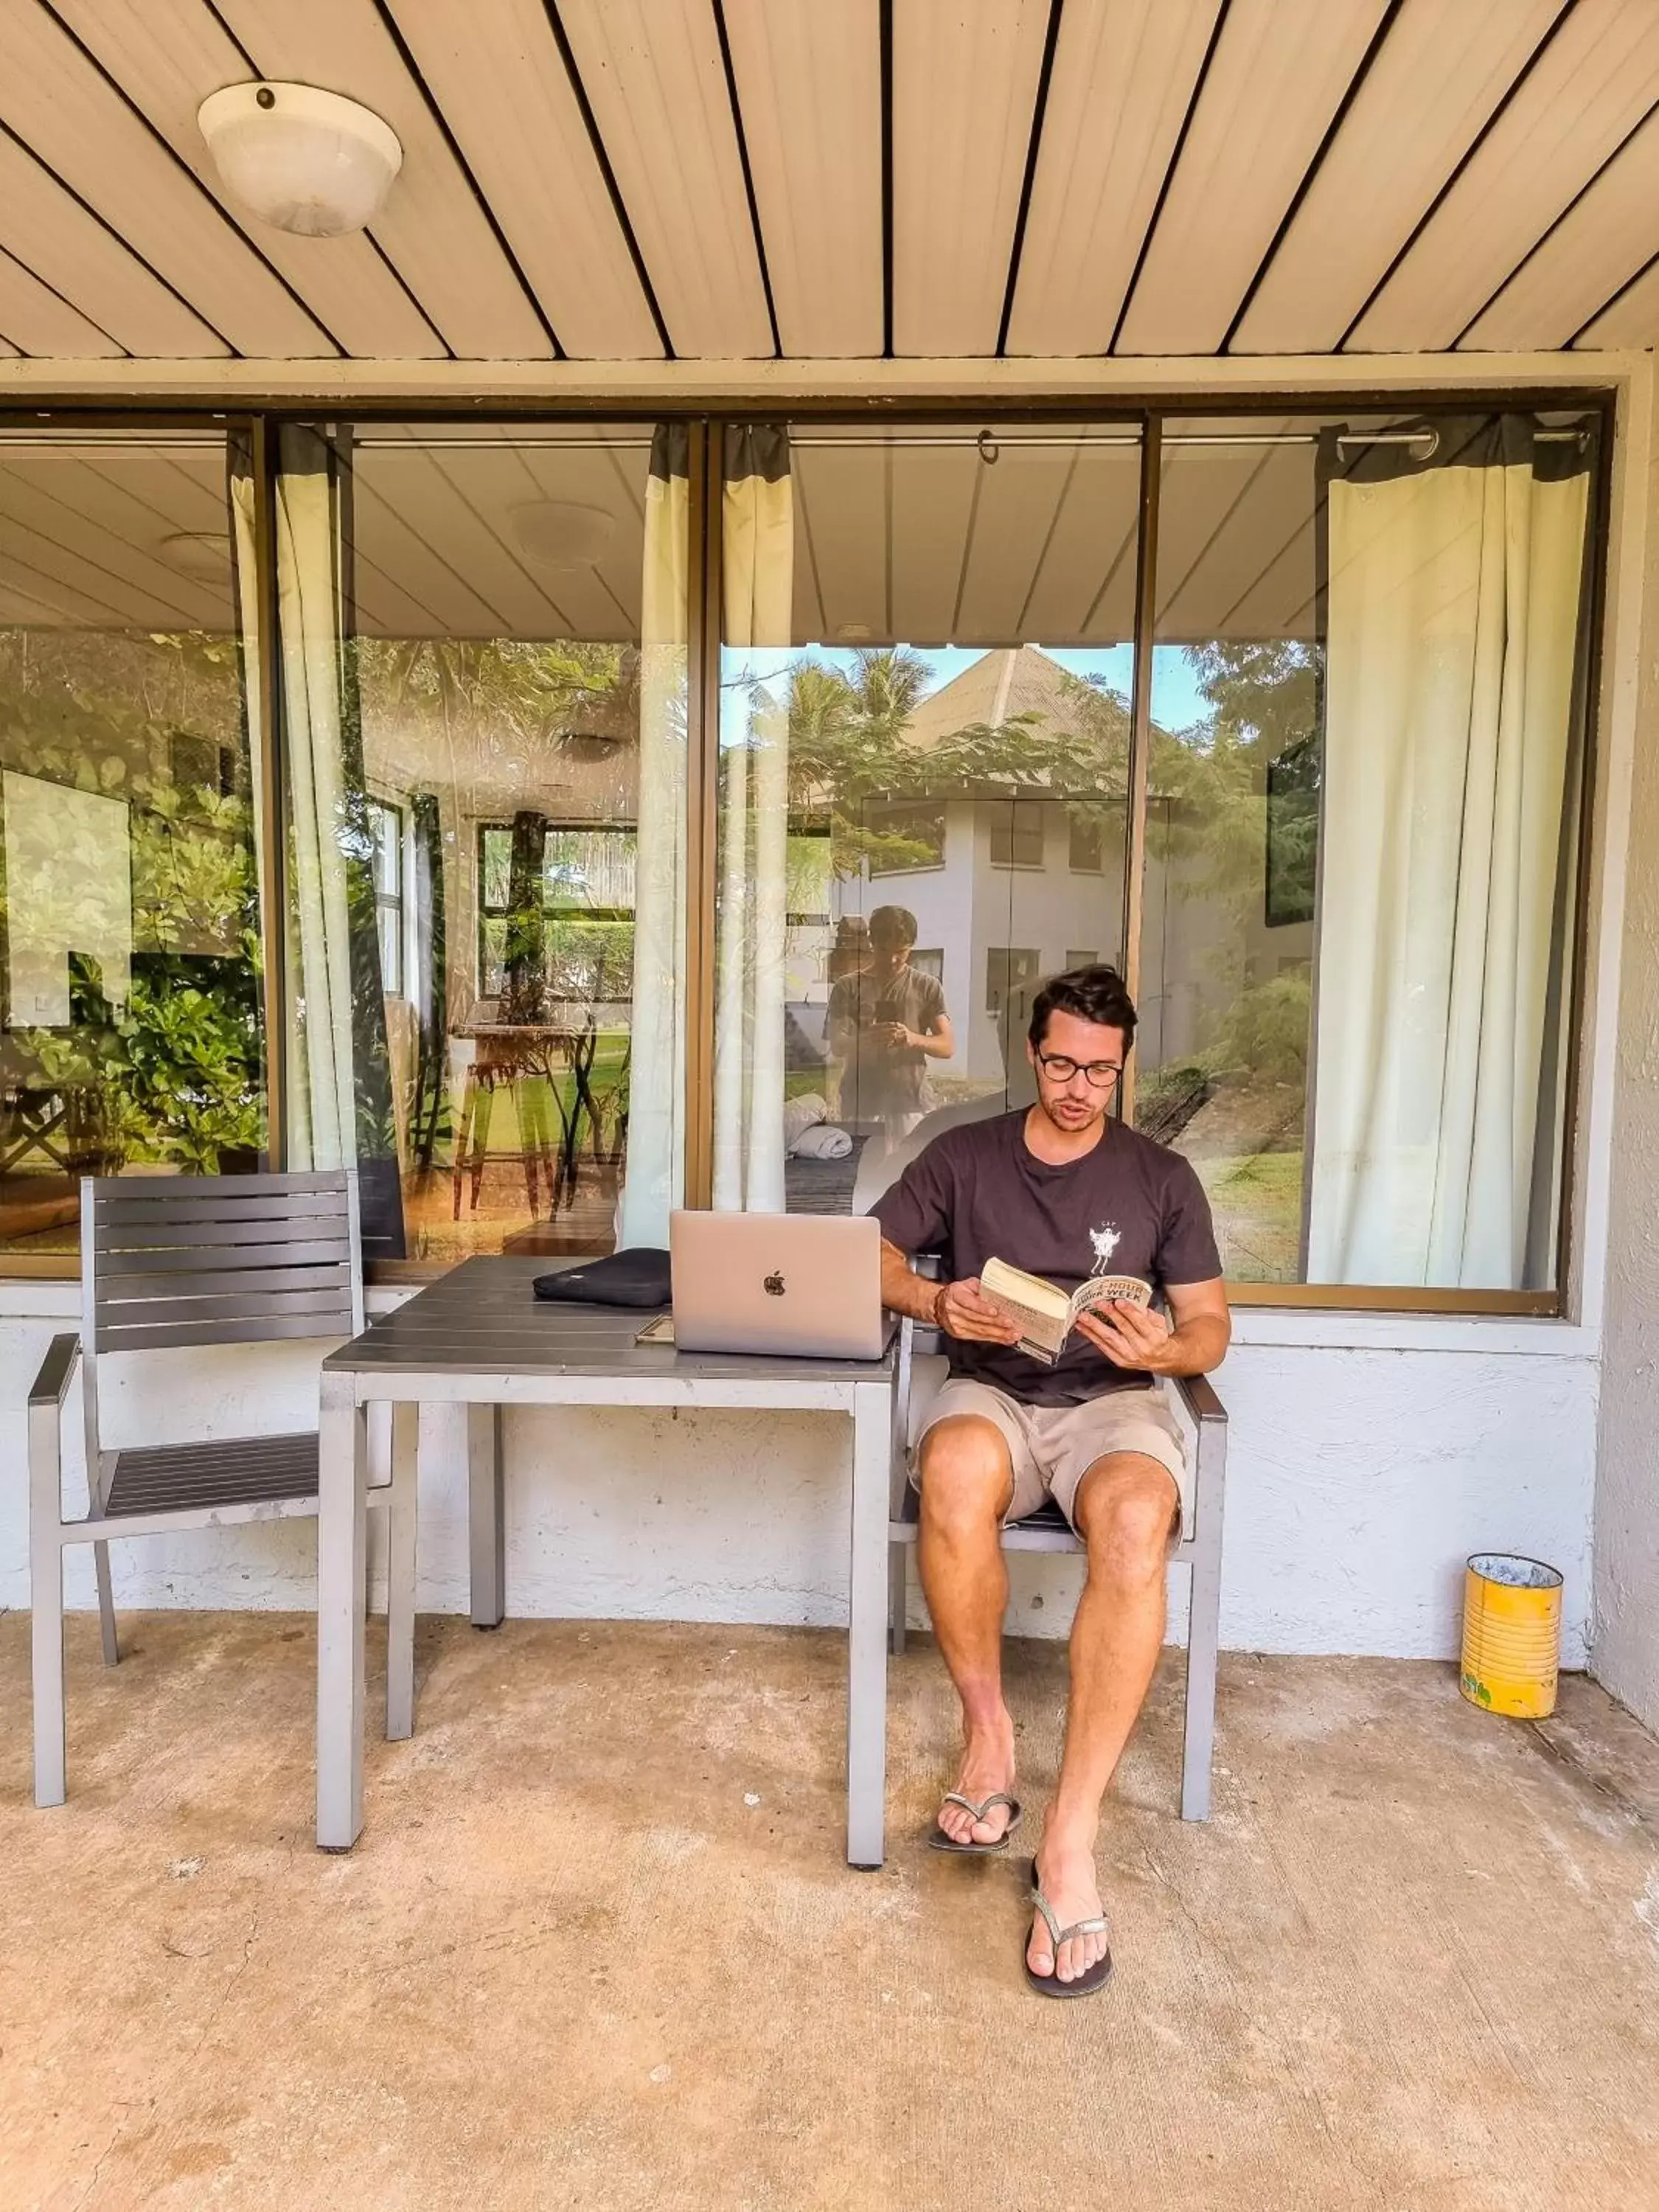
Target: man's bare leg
1127	1507
967	1484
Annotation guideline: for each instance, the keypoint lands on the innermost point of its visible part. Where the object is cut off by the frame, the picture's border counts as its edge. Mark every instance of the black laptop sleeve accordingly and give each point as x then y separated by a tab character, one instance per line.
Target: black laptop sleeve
638	1277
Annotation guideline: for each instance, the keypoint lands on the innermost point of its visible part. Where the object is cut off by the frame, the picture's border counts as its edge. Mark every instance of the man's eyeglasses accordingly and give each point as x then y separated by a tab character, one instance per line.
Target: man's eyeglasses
1102	1073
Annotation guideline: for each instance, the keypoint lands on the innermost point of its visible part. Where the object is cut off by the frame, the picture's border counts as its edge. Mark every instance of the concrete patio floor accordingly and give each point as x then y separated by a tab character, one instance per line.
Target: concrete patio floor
597	1945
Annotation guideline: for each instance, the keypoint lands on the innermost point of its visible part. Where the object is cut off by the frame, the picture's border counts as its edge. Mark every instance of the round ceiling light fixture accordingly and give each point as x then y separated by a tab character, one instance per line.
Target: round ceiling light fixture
202	553
305	160
555	534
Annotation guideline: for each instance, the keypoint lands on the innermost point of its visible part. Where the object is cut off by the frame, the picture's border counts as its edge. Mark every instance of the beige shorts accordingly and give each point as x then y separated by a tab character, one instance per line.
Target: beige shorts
1053	1447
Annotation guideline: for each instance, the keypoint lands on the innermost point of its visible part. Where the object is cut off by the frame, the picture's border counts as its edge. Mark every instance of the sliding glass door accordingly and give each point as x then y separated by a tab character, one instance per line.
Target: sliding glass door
925	677
132	1036
513	616
1344	835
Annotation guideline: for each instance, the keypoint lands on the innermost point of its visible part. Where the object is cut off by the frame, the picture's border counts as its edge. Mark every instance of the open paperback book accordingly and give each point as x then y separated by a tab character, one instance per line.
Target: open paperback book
1045	1315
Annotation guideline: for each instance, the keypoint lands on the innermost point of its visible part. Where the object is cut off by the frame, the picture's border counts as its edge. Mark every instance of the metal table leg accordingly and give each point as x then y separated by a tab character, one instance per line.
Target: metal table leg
867	1638
486	1521
342	1545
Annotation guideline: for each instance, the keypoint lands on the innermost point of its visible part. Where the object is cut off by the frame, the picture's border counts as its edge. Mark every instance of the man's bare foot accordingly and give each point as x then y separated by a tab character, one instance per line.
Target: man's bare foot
1066	1875
987	1766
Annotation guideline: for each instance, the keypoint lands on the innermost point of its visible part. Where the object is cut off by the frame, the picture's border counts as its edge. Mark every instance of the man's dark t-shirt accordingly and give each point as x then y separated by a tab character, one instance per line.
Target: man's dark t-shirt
1129	1207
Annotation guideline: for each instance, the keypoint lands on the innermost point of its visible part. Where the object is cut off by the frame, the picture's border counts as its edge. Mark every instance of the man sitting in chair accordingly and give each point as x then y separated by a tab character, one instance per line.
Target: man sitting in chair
1061	1190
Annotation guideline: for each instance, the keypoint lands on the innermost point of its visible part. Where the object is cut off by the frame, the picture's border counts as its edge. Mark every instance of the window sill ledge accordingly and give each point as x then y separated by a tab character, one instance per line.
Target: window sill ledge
1303	1328
1290	1328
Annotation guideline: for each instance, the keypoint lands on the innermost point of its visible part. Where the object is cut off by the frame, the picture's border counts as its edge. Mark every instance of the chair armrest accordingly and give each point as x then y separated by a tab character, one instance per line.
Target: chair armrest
1198	1394
51	1385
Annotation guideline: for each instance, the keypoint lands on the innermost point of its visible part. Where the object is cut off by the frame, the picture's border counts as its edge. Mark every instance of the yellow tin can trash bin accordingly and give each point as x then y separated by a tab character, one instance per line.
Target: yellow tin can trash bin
1512	1635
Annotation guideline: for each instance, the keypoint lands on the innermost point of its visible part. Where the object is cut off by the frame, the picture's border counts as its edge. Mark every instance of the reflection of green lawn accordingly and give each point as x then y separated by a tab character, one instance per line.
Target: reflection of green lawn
543	1109
1256	1199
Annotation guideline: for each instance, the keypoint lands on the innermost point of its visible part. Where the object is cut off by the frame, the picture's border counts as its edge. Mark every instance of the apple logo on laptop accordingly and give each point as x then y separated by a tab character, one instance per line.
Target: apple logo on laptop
773	1285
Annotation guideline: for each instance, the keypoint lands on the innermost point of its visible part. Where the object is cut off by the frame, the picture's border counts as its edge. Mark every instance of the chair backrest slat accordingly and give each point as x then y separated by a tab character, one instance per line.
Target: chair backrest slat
216	1244
162	1336
181	1261
123	1210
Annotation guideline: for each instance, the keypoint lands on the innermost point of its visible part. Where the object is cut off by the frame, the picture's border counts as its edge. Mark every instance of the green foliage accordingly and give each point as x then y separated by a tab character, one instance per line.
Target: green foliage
180	1063
1264	1032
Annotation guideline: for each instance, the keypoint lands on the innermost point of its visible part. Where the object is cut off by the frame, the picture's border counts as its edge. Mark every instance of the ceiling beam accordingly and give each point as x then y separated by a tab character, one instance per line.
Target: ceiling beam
767	384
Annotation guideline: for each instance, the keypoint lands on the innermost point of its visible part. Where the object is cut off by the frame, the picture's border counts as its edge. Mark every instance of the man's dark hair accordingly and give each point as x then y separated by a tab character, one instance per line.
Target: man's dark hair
1095	993
894	921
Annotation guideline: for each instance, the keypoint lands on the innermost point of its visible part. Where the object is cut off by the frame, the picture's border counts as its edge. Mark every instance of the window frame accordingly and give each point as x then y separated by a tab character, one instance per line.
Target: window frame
393	902
550	910
1014	864
1144	414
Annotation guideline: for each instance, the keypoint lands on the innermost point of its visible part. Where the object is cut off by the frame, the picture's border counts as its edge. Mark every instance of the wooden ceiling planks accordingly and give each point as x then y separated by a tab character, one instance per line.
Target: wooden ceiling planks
842	495
1434	86
1124	75
1083	591
965	97
500	79
168	56
655	79
74	121
932	508
441	522
1594	84
434	227
86	263
42	321
808	80
1630	319
1279	72
615	179
1608	234
97	516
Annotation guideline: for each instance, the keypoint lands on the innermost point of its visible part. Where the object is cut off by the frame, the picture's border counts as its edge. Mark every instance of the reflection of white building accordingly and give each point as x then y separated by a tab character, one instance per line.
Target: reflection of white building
1012	889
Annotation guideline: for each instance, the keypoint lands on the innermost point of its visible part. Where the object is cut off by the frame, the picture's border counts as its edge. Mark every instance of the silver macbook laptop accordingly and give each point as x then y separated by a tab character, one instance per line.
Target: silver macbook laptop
802	1283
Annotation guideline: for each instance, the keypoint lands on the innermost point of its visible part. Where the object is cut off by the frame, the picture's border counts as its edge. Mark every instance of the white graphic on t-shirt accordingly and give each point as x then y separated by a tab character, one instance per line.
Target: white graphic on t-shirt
1105	1242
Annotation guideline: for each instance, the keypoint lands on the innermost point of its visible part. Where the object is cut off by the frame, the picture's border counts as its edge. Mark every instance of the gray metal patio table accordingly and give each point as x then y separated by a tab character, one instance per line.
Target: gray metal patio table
477	1337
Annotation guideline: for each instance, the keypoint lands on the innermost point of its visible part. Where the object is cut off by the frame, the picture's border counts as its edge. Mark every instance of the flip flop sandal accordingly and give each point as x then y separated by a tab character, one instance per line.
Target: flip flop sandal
939	1841
1050	1985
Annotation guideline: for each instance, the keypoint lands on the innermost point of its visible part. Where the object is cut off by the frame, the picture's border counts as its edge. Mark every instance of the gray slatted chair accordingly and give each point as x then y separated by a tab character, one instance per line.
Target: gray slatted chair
170	1263
1048	1530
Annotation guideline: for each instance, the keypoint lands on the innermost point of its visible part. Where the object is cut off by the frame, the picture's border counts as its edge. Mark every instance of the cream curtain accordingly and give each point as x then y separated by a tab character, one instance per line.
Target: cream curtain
1451	721
655	1176
757	580
340	1099
322	1116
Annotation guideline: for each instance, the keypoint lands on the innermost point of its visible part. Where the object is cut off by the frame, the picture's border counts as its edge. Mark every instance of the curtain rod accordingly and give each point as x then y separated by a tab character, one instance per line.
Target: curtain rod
553	440
1131	440
79	443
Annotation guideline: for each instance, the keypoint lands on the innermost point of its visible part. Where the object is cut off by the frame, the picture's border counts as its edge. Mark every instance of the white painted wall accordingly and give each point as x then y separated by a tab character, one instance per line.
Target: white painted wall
1361	1478
1626	1642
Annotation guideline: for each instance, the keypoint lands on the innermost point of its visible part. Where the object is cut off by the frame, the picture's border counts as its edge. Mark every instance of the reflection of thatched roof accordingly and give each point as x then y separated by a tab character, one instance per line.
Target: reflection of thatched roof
993	691
1023	687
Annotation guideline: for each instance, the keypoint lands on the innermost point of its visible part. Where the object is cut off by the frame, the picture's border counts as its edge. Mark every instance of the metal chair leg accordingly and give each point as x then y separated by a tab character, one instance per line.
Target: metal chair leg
1203	1631
47	1599
400	1577
896	1598
105	1605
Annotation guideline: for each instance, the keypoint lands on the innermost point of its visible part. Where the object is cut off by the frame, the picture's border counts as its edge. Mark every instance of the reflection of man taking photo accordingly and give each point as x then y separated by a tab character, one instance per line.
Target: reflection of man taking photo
886	1022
